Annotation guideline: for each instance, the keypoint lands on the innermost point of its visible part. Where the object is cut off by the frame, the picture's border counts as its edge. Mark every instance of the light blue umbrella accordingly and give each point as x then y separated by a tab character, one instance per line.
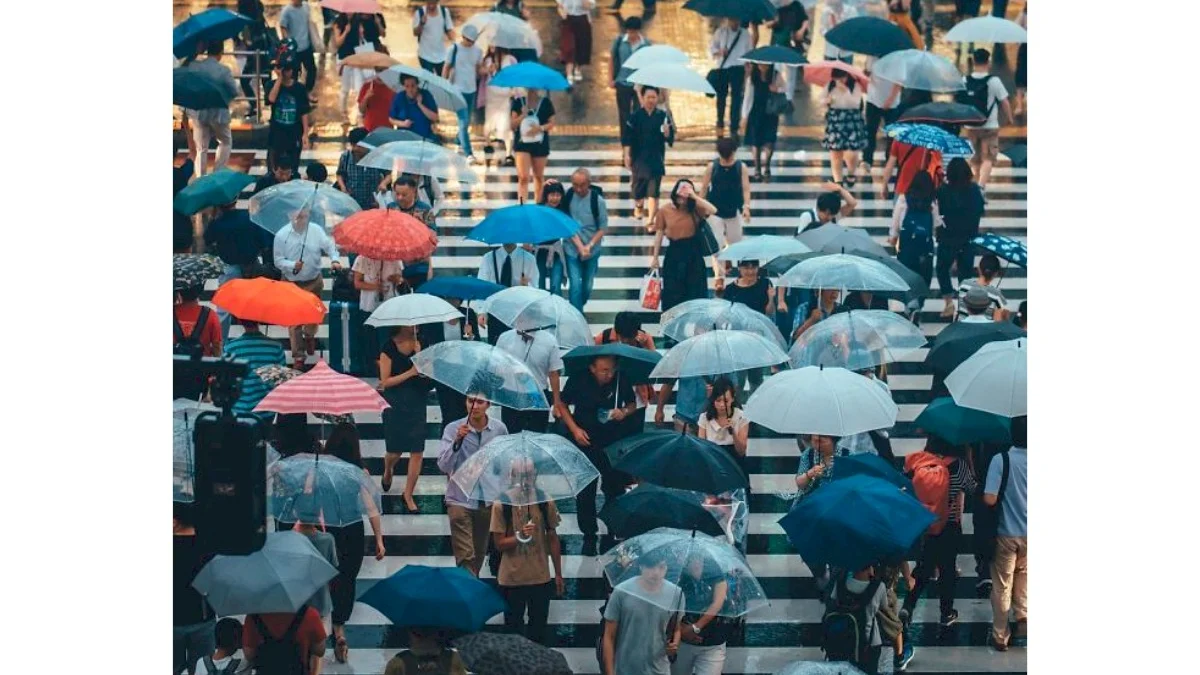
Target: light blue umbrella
764	248
530	75
308	488
719	352
280	577
695	317
672	76
277	206
525	469
918	69
526	308
843	272
481	369
857	340
930	138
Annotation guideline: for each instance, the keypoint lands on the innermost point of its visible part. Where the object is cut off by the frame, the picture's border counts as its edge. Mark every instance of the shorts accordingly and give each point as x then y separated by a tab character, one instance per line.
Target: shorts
539	149
986	142
646	186
729	229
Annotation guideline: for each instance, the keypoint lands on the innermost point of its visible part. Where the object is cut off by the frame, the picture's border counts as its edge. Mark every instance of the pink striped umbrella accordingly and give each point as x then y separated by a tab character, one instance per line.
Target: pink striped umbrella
323	390
352	6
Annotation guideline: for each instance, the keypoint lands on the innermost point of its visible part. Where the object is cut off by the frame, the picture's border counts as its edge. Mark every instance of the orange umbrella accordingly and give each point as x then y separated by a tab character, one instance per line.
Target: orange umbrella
266	301
820	73
369	60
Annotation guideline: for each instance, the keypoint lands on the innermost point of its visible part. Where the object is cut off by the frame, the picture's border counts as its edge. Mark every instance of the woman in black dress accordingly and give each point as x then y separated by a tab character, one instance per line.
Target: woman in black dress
404	422
532	120
760	127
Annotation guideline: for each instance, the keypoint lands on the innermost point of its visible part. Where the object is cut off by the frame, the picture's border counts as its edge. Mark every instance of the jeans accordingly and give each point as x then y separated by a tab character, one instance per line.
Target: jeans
582	276
464	124
700	660
730	86
310	67
875	115
949	253
940	552
202	133
537	599
192	643
1010	572
231	272
550	276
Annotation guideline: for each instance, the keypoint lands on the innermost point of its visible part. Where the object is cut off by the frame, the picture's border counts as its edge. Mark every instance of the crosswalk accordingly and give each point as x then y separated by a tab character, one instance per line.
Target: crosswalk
789	629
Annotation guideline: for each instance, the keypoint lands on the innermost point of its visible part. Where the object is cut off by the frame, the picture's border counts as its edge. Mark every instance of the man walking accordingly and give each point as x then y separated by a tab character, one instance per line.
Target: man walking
469	518
237	242
986	93
358	181
586	205
1006	489
622	48
463	68
291	117
509	266
635	623
432	24
294	21
298	249
539	350
645	138
211	123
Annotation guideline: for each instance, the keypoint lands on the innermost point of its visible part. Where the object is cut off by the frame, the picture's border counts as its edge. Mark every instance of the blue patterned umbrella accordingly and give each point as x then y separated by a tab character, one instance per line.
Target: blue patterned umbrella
1005	247
930	137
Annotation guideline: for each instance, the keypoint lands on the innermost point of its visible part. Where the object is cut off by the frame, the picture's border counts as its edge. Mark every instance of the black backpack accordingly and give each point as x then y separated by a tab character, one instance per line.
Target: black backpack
430	664
568	195
280	656
976	95
229	669
844	634
189	345
916	232
343	286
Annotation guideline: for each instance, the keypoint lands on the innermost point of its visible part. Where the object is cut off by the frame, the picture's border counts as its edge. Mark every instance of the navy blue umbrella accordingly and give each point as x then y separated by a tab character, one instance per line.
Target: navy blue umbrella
209	25
959	426
958	341
195	90
634	363
648	506
868	35
437	597
753	11
463	288
659	457
1005	247
777	54
867	464
523	224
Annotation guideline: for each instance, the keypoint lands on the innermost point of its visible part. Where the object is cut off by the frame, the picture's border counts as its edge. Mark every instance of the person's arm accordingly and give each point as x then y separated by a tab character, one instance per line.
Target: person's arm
718	601
991	483
609	648
339	35
1007	117
431	113
396	113
501	537
898	213
601	226
892	96
329	248
556	555
306	128
741	438
849	203
745	193
663	392
747	101
448	448
549	125
658	237
555	389
418	22
886	176
274	93
705	181
361	283
704	208
277	252
613	54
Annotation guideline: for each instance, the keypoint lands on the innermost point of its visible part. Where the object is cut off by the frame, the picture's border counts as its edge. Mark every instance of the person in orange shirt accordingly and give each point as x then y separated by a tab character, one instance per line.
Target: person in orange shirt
187	314
910	159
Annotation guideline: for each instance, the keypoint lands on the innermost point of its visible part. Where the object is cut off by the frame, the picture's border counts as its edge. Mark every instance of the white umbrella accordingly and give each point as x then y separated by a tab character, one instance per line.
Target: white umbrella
671	76
413	309
280	577
818	400
422	159
503	30
526	308
844	272
916	69
764	248
655	54
445	94
718	352
993	379
987	29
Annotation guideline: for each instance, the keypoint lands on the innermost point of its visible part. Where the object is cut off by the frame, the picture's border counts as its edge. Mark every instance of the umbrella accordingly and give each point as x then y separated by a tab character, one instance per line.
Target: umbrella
463	288
931	138
503	30
688	556
695	317
821	72
833	238
855	522
857	340
446	597
648	506
523	223
352	6
633	363
819	400
819	667
764	248
869	464
209	25
917	69
772	54
868	35
917	286
413	309
280	577
483	370
524	469
530	75
943	112
212	189
719	352
843	272
308	488
445	94
653	54
1005	247
323	390
385	135
525	308
958	341
656	457
268	301
1018	155
993	379
671	76
509	654
385	234
962	426
987	29
197	90
420	158
277	206
275	375
194	269
753	11
369	60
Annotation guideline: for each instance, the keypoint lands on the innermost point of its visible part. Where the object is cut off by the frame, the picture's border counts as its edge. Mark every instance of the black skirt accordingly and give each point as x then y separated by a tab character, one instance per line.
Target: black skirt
684	276
403	422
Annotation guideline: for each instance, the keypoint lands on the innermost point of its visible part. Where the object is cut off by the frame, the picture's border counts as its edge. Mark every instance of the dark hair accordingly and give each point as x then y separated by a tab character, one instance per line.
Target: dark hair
405	179
356	135
920	192
836	75
181	233
726	146
406	77
651	558
958	173
316	172
229	635
343	444
1022	318
284	160
1020	431
691	205
940	446
830	202
627	324
646	89
719	386
549	188
190	293
215	48
748	261
632	23
292	435
989	265
981	57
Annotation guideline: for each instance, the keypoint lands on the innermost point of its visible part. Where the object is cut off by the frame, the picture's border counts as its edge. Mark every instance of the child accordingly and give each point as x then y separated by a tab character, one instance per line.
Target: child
861	596
891	624
228	658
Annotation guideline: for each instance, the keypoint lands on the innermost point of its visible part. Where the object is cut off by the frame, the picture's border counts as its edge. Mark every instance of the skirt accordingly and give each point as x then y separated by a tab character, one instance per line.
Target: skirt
761	127
684	276
575	41
844	129
403	423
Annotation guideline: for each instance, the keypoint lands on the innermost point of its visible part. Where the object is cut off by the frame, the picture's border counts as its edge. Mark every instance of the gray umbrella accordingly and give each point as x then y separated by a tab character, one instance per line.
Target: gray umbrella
280	577
507	654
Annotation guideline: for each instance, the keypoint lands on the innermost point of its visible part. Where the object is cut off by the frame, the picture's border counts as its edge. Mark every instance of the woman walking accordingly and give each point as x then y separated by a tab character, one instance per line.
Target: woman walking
532	119
760	116
551	260
404	422
845	130
353	33
497	111
960	202
575	40
913	220
683	275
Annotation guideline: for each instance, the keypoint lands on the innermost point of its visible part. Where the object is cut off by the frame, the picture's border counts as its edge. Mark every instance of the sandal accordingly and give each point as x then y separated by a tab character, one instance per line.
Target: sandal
341	650
766	177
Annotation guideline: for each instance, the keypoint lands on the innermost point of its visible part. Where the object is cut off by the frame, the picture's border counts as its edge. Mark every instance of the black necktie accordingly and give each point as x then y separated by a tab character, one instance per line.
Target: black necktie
506	271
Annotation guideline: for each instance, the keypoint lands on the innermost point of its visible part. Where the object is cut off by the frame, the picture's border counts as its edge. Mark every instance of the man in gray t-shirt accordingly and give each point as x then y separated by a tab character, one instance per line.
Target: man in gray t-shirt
294	23
635	622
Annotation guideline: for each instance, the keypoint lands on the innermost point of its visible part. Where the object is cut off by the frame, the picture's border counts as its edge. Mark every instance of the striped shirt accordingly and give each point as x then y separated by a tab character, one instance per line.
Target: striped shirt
962	482
257	350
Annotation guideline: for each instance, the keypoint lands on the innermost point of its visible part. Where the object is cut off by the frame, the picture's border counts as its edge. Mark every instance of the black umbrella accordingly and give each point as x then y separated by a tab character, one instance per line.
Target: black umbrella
649	506
958	341
868	35
776	54
192	269
197	91
753	11
633	363
657	457
943	112
383	135
509	654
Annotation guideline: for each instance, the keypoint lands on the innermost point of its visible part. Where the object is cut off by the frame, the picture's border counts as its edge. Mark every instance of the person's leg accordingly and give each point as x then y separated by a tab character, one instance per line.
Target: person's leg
686	659
905	22
231	272
310	68
1004	566
390	460
481	521
990	147
737	88
585	505
590	267
946	252
874	117
201	134
539	612
514	617
710	660
723	86
835	163
224	136
539	174
575	282
768	153
462	538
947	558
558	271
1020	591
464	125
926	562
524	168
976	159
410	485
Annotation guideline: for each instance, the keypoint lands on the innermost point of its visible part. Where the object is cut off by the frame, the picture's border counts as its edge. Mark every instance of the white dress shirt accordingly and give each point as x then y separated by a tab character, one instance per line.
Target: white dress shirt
307	246
724	38
539	353
523	263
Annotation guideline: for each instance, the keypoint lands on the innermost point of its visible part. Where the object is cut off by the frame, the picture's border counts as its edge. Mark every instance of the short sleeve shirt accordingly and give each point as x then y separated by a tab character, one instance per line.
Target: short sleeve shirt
527	564
464	60
641	626
311	630
540	353
290	105
431	45
996	94
295	21
210	335
1015	500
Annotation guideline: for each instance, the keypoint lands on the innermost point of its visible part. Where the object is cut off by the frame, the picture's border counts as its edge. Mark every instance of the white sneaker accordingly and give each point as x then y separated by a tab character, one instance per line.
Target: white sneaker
472	159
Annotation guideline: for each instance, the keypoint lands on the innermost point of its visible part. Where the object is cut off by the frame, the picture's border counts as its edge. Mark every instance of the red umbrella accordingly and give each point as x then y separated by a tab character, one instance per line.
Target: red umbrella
385	234
323	390
268	301
820	73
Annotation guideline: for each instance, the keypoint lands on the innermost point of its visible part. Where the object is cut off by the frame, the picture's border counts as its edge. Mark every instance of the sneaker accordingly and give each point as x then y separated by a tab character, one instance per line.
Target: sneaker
901	662
949	619
510	161
905	616
1020	636
472	159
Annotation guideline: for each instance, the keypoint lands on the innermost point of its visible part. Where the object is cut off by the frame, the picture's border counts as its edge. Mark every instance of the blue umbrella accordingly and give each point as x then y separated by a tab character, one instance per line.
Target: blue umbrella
1004	247
463	288
930	138
855	522
211	24
212	189
531	75
776	54
754	11
959	426
440	597
633	363
196	90
869	464
523	224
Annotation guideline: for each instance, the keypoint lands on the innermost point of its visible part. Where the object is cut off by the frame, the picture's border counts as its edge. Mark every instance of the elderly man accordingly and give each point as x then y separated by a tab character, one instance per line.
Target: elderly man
211	123
585	203
469	518
298	249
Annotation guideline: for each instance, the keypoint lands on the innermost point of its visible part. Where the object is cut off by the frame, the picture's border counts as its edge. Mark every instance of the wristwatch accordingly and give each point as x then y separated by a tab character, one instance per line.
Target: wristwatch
695	629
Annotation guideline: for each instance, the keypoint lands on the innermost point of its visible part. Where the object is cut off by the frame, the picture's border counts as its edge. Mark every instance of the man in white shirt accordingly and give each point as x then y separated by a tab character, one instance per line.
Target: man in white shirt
539	350
463	68
508	266
298	250
294	21
729	42
883	101
213	123
1010	566
432	24
985	88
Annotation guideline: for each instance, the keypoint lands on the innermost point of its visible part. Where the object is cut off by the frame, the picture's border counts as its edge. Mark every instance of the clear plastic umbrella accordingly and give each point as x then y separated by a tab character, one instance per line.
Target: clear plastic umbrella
994	379
412	309
857	340
445	94
526	308
525	469
503	30
819	668
833	238
987	29
280	577
917	69
764	248
696	317
673	77
818	400
320	489
483	370
843	272
422	159
280	204
652	54
691	559
719	352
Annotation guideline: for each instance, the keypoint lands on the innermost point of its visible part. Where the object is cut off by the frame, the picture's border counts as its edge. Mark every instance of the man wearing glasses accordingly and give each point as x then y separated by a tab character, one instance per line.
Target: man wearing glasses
469	518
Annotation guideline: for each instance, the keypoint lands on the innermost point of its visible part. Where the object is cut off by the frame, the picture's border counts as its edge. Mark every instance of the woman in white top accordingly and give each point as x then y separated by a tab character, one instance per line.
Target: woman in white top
845	130
376	281
835	12
575	40
729	43
497	123
723	423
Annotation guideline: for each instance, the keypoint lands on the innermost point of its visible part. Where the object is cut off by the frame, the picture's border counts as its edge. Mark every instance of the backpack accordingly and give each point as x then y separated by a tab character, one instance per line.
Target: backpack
844	634
595	196
813	224
976	95
229	669
931	480
439	664
916	232
280	656
449	23
189	345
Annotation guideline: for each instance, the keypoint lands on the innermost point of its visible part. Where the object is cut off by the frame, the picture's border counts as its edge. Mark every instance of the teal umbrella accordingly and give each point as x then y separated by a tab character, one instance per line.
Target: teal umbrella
634	363
214	189
959	426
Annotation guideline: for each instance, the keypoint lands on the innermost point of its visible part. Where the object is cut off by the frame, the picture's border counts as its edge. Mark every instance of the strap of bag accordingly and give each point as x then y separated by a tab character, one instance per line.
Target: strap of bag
179	336
1003	479
290	634
201	320
736	36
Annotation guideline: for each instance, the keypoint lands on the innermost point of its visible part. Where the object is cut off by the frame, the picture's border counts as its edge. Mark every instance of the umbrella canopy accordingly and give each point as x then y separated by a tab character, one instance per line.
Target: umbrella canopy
821	72
753	11
268	301
918	69
702	315
483	370
323	390
833	238
280	577
917	286
820	667
352	6
445	94
413	309
870	464
274	375
193	269
385	135
530	75
868	35
525	308
931	138
633	363
772	54
843	272
523	223
993	379
857	340
198	90
652	54
463	288
818	400
671	76
277	206
987	29
943	112
719	352
855	522
648	506
385	234
656	457
370	60
1005	247
212	189
962	426
525	469
764	248
958	341
445	597
509	654
420	158
308	488
504	30
209	25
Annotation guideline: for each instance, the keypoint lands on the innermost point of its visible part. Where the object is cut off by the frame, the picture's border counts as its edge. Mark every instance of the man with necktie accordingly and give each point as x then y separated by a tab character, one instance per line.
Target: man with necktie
508	266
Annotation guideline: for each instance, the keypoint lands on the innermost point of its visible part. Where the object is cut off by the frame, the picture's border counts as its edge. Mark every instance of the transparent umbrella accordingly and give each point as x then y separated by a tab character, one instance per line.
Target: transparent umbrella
764	248
818	400
917	69
857	340
819	668
843	272
280	577
503	30
320	489
695	317
719	352
420	158
525	469
280	204
526	308
445	94
483	370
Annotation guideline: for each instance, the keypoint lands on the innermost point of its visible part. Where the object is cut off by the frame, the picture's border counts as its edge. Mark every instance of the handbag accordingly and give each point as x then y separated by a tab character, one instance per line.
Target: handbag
651	292
708	240
715	76
778	103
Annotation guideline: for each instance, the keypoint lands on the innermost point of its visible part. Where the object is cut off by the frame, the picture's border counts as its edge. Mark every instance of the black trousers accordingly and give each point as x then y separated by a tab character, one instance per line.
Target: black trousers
435	68
610	482
453	404
535	599
876	115
310	67
516	421
949	252
626	99
495	328
730	87
938	553
350	542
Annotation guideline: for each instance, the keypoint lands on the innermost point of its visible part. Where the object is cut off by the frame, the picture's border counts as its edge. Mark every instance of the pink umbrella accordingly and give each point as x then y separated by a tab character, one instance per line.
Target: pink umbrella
323	390
820	73
352	6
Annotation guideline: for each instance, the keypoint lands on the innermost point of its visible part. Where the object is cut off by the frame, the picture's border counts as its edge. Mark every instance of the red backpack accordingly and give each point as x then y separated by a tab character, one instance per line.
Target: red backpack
930	475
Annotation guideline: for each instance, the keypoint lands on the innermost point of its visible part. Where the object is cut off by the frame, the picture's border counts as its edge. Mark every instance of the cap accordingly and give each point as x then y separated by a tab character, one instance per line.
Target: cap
470	32
977	299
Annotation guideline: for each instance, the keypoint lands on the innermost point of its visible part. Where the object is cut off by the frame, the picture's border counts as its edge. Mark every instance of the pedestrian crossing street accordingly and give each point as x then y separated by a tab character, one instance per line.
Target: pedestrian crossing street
789	629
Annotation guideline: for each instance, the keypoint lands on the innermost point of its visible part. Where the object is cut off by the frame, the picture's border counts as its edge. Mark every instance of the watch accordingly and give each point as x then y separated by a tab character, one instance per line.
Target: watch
695	629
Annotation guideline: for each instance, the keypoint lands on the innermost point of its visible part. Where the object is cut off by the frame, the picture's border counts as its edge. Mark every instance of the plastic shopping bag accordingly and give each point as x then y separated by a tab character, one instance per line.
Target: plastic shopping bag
651	293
